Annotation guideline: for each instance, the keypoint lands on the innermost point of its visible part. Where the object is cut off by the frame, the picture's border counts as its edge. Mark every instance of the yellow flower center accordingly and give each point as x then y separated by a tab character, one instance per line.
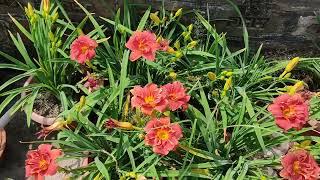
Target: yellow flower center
142	46
296	167
163	134
289	112
84	49
43	164
149	99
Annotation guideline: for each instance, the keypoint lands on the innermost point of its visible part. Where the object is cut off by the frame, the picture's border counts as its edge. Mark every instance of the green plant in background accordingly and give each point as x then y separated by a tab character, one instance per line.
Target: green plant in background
50	68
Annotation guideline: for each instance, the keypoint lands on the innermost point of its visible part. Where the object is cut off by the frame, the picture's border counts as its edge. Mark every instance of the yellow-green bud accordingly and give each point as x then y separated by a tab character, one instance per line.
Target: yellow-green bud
51	36
29	10
229	74
288	75
292	64
192	44
59	43
154	17
178	13
55	17
82	103
187	36
173	75
179	54
177	44
224	72
228	84
296	87
190	27
212	76
171	50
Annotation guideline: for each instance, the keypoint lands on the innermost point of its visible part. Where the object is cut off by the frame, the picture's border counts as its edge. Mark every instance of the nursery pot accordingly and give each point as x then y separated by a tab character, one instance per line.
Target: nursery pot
3	139
34	116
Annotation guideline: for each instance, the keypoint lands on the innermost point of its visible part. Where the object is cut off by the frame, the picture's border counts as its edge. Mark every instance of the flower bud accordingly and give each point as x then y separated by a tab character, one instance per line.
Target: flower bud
82	103
190	27
178	13
187	36
59	43
171	50
51	36
46	6
125	125
229	74
178	54
292	64
29	10
296	87
288	75
212	76
154	17
228	84
173	75
55	17
177	44
112	123
192	44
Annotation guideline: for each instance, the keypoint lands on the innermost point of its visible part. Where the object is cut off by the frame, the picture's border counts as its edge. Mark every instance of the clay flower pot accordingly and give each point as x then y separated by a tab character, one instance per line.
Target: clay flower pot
34	116
3	139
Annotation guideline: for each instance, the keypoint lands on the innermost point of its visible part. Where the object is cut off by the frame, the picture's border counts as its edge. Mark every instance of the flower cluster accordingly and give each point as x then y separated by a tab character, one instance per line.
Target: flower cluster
291	111
150	98
160	133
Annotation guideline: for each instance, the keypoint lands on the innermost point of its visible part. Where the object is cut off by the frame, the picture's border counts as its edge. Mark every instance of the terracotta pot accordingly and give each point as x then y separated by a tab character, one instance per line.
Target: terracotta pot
34	116
3	139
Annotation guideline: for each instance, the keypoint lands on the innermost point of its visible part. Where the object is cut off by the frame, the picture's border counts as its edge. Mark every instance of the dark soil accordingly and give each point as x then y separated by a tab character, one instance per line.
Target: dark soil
47	105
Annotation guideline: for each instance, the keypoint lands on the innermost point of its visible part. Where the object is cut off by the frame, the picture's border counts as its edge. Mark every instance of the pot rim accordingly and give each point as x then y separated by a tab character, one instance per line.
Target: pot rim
35	116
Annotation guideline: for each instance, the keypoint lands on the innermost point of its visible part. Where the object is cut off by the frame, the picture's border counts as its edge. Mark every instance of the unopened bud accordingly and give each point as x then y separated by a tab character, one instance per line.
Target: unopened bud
46	6
51	36
154	17
212	76
55	17
292	64
178	13
173	75
179	54
171	50
190	27
192	44
229	74
177	44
